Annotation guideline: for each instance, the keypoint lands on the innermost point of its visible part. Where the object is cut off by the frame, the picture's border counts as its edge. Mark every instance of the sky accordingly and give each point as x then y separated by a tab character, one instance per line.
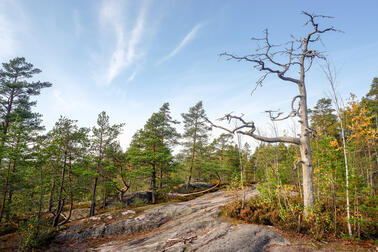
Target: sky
129	57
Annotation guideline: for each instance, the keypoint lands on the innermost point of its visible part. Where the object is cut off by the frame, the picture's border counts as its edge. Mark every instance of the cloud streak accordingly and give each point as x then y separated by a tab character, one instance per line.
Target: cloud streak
8	28
126	51
189	37
132	77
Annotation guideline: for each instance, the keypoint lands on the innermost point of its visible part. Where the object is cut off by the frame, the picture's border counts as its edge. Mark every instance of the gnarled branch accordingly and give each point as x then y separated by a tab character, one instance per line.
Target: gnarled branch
251	130
296	164
294	111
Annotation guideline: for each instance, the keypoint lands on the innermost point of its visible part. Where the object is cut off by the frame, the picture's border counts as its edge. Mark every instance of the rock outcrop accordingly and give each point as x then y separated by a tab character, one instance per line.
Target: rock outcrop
185	226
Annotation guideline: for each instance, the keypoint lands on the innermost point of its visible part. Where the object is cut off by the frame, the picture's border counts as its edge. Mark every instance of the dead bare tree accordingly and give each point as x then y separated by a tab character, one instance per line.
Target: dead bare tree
330	73
297	56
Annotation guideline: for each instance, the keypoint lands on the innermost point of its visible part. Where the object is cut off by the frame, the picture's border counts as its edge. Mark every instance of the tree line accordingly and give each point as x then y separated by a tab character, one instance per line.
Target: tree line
46	172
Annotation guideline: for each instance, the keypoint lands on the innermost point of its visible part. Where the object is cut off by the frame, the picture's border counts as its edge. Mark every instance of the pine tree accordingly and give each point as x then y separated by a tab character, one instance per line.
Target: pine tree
148	151
16	108
16	91
64	145
322	118
104	136
168	134
16	152
195	133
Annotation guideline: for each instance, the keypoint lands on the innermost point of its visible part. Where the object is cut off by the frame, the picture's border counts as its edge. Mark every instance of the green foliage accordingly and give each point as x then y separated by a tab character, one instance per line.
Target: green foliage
34	235
40	171
272	166
322	117
288	215
195	137
150	152
16	92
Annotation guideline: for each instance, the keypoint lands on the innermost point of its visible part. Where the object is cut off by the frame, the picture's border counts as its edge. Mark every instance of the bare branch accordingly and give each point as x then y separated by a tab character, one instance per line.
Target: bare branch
294	112
251	129
283	139
312	19
296	164
271	116
261	66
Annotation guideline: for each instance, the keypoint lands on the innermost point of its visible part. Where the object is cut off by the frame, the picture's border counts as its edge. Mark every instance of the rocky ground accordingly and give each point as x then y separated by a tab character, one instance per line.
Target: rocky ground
185	226
194	225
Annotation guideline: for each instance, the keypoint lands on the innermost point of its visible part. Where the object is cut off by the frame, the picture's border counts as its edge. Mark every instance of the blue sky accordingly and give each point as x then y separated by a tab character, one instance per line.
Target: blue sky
129	57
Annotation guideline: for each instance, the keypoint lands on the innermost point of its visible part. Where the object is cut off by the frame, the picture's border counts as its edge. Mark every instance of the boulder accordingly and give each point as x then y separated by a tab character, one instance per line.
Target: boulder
136	198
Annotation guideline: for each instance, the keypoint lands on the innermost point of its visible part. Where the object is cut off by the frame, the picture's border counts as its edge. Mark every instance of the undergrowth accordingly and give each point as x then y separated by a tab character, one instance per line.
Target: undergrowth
35	234
324	221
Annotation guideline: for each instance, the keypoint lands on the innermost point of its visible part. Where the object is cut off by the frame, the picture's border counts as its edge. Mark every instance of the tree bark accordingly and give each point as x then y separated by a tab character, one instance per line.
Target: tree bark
71	196
192	156
161	178
9	109
153	183
60	200
371	172
10	193
5	191
93	200
51	198
305	150
104	198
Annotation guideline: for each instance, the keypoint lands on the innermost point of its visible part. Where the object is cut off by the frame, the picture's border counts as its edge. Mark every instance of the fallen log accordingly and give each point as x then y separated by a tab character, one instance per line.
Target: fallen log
194	193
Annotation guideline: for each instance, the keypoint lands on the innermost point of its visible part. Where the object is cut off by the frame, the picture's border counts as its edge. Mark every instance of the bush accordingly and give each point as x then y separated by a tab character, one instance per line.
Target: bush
34	235
233	209
287	214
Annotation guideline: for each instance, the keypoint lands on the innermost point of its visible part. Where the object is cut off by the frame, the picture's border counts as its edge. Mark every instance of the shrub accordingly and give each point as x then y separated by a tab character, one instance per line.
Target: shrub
285	214
34	235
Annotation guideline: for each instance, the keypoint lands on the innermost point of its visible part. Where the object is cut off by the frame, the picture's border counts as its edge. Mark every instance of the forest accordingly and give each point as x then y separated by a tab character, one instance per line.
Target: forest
41	173
316	179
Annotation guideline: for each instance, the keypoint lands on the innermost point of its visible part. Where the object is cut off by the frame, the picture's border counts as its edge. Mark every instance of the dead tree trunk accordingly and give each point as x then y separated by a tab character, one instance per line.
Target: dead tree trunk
331	76
305	150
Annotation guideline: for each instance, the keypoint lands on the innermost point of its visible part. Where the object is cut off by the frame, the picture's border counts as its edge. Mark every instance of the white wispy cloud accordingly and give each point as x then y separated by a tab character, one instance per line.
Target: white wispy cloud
132	77
8	28
126	51
189	37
